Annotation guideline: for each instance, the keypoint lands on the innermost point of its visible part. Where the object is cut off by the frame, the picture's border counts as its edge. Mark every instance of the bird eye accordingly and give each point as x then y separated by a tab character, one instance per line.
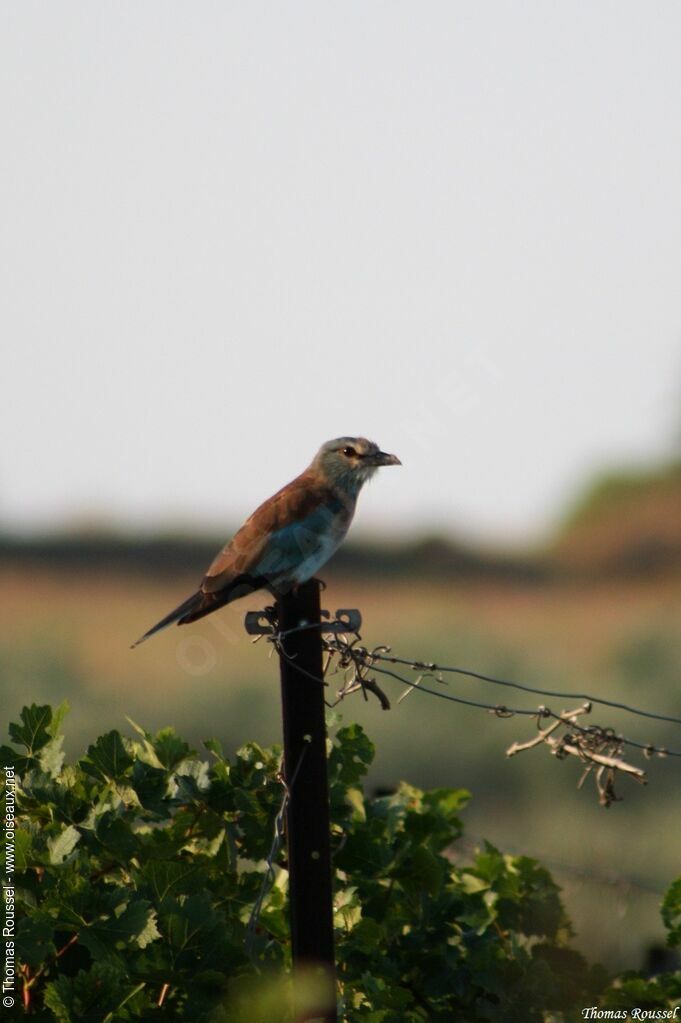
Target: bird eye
350	452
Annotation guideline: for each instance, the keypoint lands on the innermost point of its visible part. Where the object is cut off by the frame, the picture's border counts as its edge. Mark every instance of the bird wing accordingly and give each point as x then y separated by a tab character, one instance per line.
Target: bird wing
280	533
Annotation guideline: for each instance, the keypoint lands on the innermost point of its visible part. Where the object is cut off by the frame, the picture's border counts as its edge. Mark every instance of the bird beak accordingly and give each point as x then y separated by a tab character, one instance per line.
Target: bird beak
381	458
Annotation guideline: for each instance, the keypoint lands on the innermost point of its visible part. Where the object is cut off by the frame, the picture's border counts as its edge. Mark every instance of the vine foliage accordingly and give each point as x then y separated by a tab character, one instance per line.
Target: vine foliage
138	867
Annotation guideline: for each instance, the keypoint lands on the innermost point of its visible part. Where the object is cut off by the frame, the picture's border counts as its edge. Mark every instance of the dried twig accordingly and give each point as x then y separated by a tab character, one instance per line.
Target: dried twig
357	662
599	748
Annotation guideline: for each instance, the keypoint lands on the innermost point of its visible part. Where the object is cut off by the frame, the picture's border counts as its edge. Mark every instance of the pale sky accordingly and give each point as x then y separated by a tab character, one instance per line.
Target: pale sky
231	231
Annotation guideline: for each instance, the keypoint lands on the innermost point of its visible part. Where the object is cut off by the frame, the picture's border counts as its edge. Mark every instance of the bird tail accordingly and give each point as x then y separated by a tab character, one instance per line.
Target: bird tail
202	603
188	607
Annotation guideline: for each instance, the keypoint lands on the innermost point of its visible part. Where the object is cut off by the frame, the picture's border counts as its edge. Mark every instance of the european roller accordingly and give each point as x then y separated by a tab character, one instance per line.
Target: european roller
289	537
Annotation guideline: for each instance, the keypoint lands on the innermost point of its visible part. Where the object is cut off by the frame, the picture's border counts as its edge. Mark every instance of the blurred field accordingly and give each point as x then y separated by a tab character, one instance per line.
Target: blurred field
67	635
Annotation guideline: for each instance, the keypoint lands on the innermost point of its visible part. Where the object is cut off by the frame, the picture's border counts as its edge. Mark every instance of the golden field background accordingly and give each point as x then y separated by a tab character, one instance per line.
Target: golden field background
611	630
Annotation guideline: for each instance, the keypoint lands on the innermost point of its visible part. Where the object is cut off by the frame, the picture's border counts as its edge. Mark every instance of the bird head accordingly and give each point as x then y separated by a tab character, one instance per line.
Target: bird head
348	462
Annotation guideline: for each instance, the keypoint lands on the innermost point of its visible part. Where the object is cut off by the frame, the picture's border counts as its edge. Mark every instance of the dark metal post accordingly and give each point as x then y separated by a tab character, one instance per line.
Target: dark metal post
307	817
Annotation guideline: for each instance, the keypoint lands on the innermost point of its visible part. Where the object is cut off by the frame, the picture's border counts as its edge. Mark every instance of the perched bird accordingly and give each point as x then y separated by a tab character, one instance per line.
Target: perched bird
289	537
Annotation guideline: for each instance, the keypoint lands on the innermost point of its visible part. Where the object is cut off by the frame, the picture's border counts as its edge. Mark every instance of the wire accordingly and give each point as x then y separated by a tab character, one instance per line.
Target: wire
524	687
277	841
367	658
498	709
469	673
544	712
600	749
563	695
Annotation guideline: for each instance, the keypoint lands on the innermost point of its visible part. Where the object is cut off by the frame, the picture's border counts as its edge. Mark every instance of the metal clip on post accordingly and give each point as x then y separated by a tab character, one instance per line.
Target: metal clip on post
261	623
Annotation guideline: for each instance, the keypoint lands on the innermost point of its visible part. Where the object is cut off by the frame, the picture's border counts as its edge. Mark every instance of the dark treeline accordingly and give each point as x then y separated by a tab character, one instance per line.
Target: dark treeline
426	557
166	555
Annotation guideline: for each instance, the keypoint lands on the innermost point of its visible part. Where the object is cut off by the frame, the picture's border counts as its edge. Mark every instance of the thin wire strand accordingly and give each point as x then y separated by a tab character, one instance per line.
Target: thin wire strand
559	694
496	708
523	687
536	691
545	712
499	709
277	841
